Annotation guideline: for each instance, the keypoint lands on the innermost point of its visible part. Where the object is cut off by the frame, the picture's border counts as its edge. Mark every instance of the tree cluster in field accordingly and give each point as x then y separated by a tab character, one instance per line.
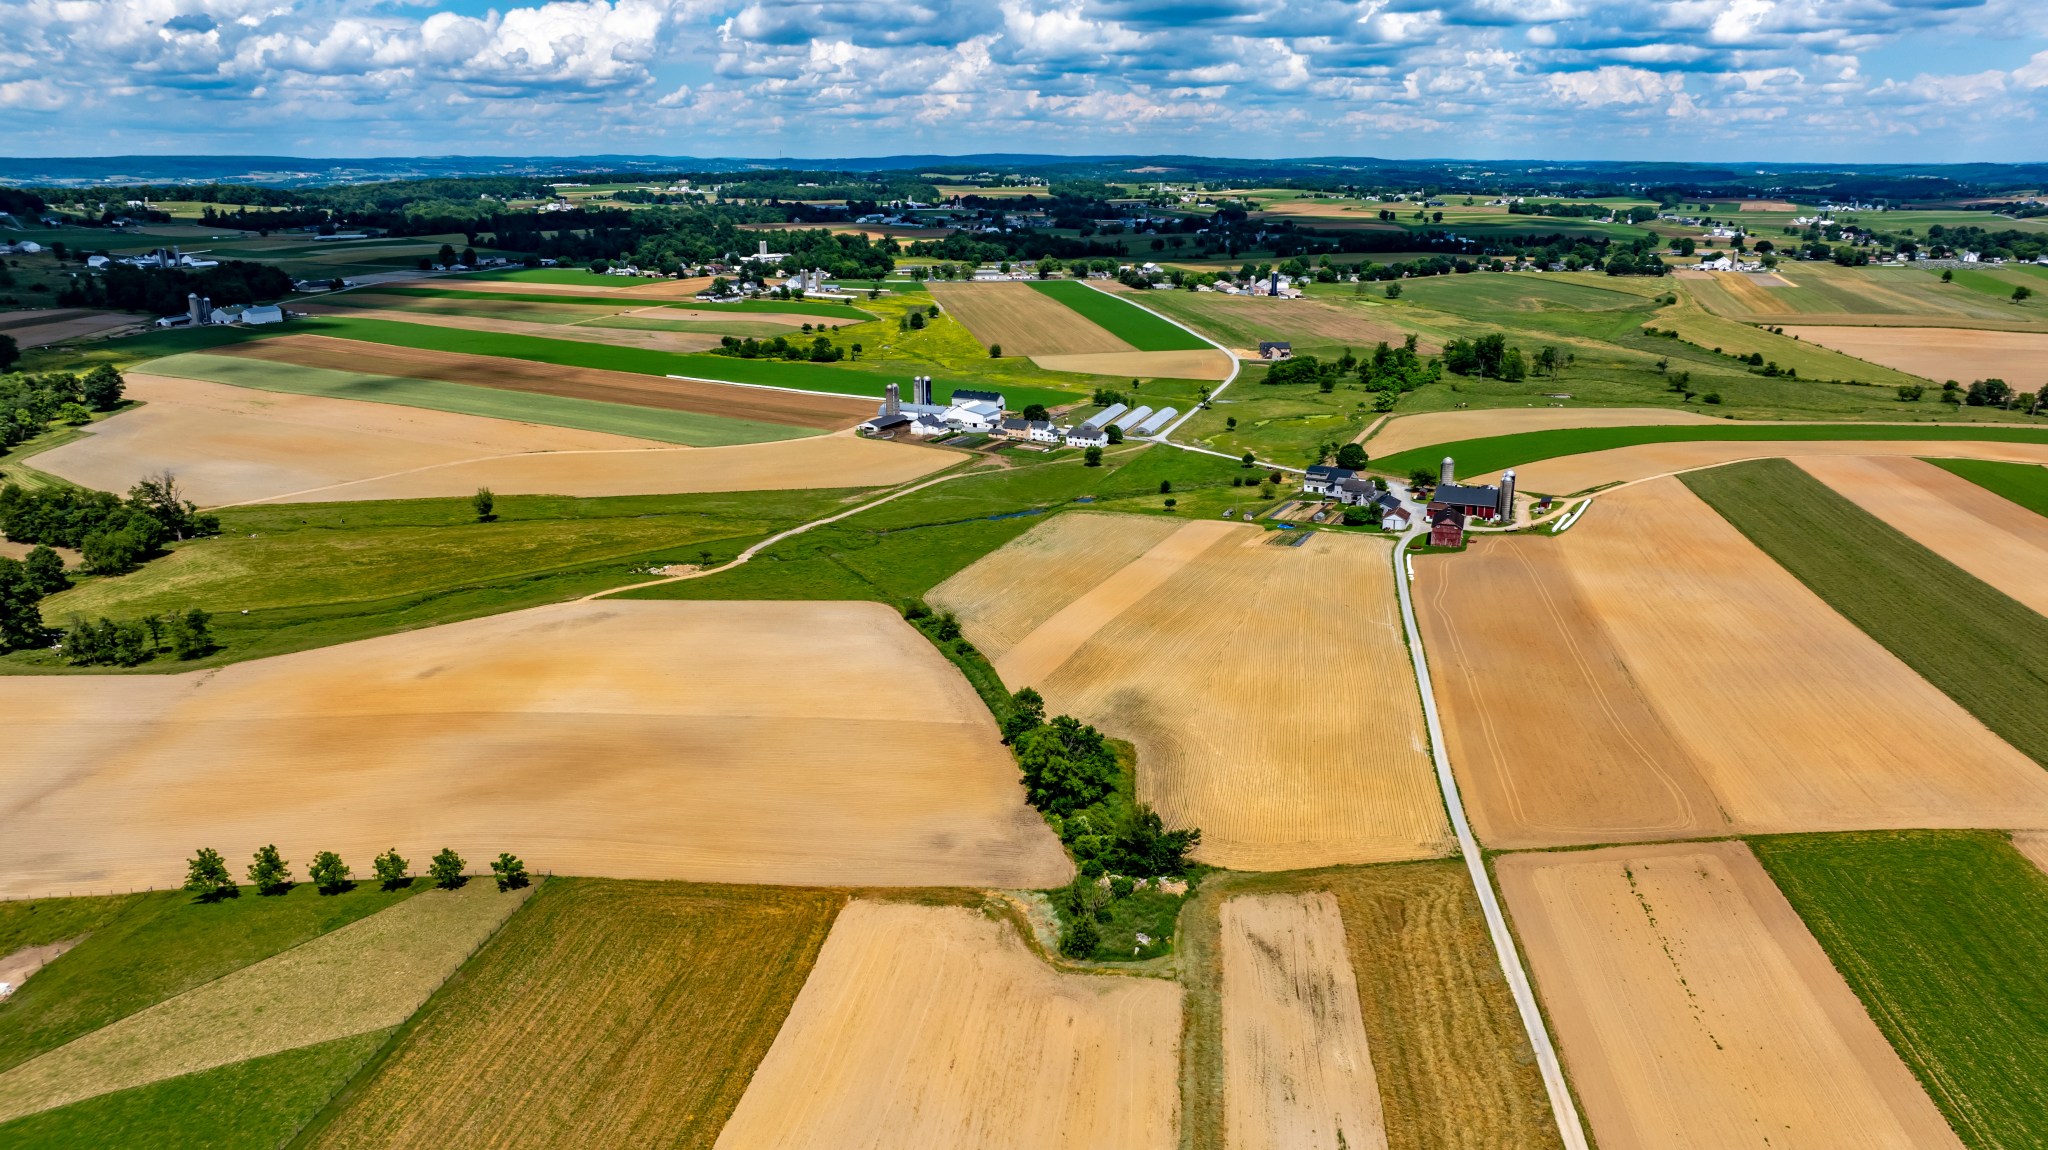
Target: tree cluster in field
128	643
162	291
1388	371
207	874
1491	357
112	534
780	347
1983	393
29	404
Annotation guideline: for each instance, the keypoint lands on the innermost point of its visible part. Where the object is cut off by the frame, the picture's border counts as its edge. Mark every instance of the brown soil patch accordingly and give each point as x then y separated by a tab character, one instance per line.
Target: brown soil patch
588	738
1567	474
1768	206
369	975
1008	594
1674	672
40	328
681	342
1296	1064
16	968
1253	318
1695	1010
2019	358
231	444
1023	321
1407	432
933	1027
629	289
1996	540
1214	653
1152	364
731	401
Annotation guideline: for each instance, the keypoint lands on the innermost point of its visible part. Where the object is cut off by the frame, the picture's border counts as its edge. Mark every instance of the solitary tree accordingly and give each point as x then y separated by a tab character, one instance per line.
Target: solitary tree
392	870
329	873
446	870
206	875
1080	938
1948	275
1394	289
484	501
1092	457
102	388
1247	461
2022	293
269	873
995	351
1352	456
510	871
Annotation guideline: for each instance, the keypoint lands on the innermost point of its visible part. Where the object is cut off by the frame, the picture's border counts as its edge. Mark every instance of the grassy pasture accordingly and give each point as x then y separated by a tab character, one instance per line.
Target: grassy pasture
663	425
254	1105
1453	1065
579	276
1978	646
1697	326
1480	456
656	1000
840	312
1944	936
315	574
2022	483
1128	322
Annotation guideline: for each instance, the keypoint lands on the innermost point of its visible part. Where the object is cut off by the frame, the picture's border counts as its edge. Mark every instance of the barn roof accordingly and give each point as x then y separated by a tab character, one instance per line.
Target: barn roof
1459	495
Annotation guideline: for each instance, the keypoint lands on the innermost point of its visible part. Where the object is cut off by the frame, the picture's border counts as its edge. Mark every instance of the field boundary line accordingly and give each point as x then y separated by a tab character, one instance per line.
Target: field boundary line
770	387
1561	1104
463	463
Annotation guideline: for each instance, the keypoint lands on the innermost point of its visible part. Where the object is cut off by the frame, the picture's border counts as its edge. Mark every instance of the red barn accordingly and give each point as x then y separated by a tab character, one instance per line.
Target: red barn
1446	526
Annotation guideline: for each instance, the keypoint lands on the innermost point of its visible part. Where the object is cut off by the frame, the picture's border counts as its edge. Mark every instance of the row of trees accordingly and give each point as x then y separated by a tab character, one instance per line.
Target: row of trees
112	534
29	404
207	875
821	349
163	291
129	643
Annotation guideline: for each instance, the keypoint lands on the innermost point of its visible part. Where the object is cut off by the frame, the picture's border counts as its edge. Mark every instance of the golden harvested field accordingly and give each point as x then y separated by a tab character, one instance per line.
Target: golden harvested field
1024	321
2019	358
1407	432
1996	540
369	975
724	742
1235	319
684	341
1009	593
1768	206
1295	1053
1209	364
230	444
1213	652
629	289
2034	845
608	1014
934	1027
1695	1010
1668	679
1573	473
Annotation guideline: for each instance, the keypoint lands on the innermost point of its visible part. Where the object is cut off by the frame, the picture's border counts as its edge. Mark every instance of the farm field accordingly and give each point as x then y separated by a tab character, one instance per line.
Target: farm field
2001	543
1980	647
1694	1009
369	975
2023	483
2018	357
1295	1053
1944	935
1146	654
1676	682
1009	596
594	329
1812	359
1410	433
54	325
1822	294
1208	365
1313	326
229	444
1022	321
749	407
600	708
934	1026
657	999
1120	317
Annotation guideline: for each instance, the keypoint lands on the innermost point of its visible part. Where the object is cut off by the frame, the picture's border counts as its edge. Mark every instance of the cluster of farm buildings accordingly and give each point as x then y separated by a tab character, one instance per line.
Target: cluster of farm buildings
1451	506
983	412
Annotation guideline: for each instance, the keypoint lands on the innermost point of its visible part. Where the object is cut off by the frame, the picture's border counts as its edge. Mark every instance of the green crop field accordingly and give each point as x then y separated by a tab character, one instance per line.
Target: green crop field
841	312
315	574
2024	483
1983	649
759	329
560	276
1480	456
1121	318
655	423
605	1014
1944	935
255	1105
149	947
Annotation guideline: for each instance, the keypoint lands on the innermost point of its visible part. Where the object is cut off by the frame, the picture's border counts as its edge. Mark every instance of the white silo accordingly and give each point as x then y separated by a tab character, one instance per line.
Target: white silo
1444	473
1507	496
892	399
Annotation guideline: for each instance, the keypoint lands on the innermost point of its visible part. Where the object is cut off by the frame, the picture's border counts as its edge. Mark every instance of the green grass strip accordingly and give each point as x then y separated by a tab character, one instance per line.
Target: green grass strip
1480	456
2023	483
1982	648
253	1105
1944	936
1120	318
782	307
659	424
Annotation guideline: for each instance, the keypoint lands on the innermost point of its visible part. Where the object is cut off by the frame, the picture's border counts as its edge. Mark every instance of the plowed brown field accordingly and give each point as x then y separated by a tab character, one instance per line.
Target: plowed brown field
1267	689
729	742
682	342
1023	321
933	1028
1695	1010
1412	431
39	328
2018	357
1996	540
734	402
1651	674
1294	1049
1567	474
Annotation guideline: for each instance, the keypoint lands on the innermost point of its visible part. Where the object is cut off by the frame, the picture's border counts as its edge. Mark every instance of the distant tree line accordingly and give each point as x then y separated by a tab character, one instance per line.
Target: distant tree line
163	291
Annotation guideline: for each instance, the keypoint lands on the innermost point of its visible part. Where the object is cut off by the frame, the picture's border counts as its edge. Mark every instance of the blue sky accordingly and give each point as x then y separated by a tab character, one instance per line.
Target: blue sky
1837	81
